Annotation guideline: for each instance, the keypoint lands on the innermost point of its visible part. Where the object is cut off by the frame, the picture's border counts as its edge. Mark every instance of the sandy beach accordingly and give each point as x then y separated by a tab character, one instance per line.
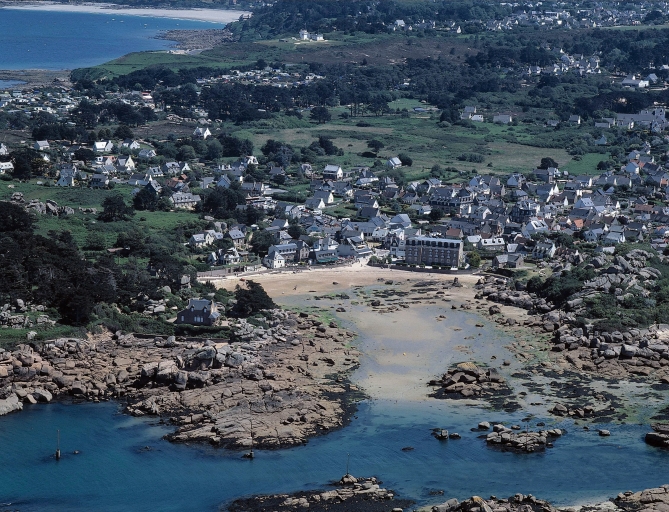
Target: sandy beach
209	15
322	280
406	347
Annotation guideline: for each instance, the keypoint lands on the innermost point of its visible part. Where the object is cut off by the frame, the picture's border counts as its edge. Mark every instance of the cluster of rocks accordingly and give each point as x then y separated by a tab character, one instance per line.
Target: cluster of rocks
466	380
517	503
497	289
648	500
19	316
574	412
625	276
272	387
517	440
349	494
660	435
638	352
47	207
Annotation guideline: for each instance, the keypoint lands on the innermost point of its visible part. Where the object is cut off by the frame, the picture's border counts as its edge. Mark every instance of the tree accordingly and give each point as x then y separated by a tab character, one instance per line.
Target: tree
405	159
261	242
375	145
27	162
214	149
14	218
145	200
123	132
186	152
296	231
251	299
474	259
95	242
114	208
436	215
547	162
320	115
84	154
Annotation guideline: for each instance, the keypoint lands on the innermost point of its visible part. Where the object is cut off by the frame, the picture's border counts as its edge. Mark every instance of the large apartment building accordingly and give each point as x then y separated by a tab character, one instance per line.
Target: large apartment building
433	251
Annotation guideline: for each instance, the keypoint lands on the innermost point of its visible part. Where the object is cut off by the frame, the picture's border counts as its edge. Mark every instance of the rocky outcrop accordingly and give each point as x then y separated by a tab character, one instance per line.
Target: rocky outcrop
519	441
638	352
517	503
23	316
659	437
272	386
497	290
349	494
10	404
650	500
466	380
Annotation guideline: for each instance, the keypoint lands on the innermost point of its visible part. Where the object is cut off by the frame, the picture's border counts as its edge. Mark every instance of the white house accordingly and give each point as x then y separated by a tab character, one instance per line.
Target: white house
201	132
274	260
6	167
41	145
147	153
492	244
535	226
394	162
3	150
104	146
333	172
130	144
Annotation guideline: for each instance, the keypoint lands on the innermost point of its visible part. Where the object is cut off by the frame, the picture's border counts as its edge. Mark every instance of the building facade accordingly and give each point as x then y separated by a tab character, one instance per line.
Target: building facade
433	251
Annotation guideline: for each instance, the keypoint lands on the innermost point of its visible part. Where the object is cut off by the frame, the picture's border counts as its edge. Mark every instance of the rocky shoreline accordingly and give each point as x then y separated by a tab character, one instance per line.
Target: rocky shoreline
271	386
365	495
648	500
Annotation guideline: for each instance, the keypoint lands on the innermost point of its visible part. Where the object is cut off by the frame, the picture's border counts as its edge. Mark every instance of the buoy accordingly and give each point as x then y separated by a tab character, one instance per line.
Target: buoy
58	447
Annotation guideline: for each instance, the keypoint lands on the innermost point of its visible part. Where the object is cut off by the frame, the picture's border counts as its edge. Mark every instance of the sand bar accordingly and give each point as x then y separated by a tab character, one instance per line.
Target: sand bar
209	15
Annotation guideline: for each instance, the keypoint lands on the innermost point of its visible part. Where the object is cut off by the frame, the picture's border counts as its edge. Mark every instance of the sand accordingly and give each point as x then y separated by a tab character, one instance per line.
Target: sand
322	280
402	349
210	15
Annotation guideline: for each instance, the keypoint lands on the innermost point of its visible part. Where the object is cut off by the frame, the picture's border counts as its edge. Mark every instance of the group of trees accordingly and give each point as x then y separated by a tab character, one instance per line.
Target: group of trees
289	16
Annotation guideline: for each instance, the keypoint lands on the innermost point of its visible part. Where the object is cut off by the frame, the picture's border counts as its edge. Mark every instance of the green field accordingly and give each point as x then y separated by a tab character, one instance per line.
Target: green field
505	149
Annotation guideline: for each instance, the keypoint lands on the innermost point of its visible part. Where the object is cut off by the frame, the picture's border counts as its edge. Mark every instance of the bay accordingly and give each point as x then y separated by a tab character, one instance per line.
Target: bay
52	40
124	464
115	472
9	84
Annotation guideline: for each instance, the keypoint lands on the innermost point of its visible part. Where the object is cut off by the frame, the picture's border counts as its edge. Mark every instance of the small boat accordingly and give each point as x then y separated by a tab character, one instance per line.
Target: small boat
441	434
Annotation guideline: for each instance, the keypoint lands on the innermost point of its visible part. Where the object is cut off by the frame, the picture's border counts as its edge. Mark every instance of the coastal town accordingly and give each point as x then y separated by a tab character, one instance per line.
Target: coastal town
406	242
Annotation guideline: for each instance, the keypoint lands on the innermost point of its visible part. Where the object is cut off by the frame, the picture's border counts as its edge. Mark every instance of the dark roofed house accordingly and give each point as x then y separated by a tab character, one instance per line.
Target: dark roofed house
238	238
199	312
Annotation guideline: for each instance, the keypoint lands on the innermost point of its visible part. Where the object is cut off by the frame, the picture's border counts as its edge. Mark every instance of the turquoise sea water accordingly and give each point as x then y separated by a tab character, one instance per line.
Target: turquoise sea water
59	40
113	471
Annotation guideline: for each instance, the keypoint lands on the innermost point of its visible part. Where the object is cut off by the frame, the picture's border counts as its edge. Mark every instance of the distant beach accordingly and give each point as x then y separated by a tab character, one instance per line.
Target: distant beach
209	15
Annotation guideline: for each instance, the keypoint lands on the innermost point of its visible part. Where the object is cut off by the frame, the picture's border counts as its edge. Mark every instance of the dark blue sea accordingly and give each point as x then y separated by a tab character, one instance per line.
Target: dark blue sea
59	40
